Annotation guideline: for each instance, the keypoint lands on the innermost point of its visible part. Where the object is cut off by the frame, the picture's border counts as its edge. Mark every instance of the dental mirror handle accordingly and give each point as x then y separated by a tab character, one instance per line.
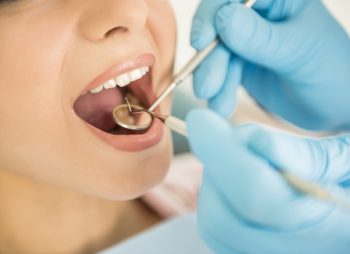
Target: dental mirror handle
315	190
176	125
190	66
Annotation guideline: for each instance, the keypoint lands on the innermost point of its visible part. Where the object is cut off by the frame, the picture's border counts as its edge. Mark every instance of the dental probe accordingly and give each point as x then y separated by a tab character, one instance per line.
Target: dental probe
190	66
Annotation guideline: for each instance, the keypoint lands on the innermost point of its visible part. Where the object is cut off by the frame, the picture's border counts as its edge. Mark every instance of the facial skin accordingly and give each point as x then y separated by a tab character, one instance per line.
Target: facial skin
50	51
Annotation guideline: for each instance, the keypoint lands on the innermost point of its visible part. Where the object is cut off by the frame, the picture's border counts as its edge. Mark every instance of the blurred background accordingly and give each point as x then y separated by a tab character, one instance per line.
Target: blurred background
247	110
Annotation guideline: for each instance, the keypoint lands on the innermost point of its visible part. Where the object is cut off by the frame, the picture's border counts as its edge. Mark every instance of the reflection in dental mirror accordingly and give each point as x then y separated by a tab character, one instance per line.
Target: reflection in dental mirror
132	117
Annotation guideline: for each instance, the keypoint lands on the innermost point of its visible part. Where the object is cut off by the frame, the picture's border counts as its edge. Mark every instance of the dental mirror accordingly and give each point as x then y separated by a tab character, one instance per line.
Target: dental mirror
137	118
132	117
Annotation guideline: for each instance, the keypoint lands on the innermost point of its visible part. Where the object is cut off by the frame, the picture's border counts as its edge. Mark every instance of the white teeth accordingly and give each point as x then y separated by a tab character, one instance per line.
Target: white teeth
110	84
97	89
136	74
122	80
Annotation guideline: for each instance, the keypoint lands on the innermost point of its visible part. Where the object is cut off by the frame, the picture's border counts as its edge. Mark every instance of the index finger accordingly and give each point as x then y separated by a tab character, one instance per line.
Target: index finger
203	28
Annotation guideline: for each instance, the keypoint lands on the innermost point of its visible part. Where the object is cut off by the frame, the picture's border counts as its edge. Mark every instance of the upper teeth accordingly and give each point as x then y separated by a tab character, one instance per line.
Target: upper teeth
122	80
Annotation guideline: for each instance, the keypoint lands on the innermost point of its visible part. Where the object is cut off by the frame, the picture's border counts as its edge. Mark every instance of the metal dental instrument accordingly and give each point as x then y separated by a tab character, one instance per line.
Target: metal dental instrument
140	119
185	72
191	66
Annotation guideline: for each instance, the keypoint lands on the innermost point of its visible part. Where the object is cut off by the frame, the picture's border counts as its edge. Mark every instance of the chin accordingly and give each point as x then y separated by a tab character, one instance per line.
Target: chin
133	176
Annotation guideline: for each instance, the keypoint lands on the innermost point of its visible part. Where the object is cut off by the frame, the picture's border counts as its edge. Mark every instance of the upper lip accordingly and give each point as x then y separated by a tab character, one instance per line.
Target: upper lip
118	69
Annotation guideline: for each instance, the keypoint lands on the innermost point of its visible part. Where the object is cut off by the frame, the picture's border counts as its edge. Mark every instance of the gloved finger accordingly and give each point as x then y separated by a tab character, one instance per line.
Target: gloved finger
203	29
323	160
227	232
206	128
264	86
210	76
252	37
275	95
277	10
225	101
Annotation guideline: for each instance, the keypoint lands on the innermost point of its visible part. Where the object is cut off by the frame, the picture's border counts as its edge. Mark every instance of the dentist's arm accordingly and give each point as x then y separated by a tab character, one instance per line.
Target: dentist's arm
291	56
247	207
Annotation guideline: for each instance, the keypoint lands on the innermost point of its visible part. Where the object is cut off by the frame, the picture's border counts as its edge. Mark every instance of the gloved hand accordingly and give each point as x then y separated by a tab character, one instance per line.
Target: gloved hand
291	56
247	207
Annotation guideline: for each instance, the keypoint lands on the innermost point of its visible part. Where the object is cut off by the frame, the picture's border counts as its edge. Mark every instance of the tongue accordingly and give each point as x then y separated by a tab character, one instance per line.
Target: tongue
96	109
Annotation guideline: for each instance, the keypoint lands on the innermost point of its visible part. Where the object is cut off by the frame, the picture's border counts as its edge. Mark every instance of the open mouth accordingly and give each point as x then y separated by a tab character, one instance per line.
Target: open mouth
95	106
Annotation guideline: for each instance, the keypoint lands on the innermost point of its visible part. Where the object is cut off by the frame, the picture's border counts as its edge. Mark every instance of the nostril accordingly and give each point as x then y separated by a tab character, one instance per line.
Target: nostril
116	30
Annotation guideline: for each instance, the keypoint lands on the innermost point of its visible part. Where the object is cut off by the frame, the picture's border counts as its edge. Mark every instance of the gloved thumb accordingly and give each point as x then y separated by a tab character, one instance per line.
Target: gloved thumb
252	37
207	134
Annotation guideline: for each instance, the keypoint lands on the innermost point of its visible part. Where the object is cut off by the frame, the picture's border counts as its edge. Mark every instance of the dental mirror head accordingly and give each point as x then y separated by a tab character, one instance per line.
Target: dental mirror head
132	117
137	118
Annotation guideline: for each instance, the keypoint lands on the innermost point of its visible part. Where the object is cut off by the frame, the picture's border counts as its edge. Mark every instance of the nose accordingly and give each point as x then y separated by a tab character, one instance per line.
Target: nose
107	18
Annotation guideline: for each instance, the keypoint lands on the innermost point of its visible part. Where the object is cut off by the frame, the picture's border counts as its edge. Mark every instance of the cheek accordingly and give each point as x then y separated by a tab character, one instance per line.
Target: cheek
162	25
134	179
31	56
162	21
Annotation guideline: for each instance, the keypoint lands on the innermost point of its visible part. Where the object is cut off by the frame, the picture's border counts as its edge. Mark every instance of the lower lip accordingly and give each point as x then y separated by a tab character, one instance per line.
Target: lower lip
135	142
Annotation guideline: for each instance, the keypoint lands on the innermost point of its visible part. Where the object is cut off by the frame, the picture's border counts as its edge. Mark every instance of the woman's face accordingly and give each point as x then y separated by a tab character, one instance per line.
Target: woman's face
52	53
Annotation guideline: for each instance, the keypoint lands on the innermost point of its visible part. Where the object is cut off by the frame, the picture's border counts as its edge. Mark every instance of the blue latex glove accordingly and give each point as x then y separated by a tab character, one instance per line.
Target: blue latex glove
291	56
246	206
